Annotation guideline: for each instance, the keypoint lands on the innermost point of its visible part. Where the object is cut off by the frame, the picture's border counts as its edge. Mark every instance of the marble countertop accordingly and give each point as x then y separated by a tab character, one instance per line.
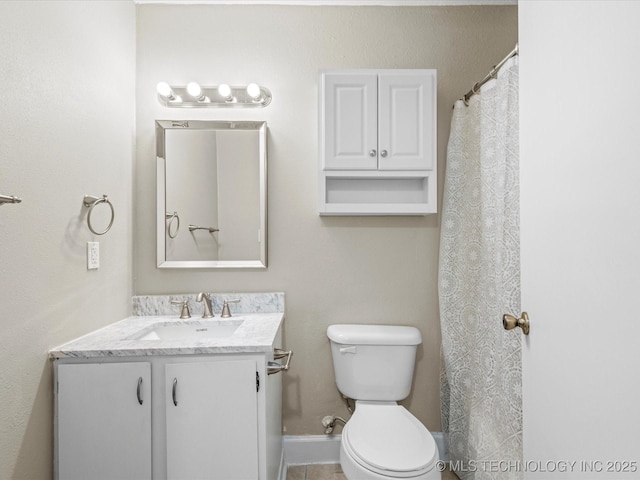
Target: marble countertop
255	334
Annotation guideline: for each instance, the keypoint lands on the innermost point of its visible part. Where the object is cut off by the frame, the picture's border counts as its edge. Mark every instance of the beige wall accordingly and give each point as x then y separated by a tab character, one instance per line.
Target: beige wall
59	144
353	269
67	109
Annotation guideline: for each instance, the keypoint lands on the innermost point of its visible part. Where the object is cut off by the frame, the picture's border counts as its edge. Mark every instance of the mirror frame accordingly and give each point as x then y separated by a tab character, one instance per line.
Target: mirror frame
161	127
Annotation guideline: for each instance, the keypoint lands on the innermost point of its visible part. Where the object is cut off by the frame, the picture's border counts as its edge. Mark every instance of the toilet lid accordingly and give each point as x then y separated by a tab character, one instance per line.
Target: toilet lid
387	438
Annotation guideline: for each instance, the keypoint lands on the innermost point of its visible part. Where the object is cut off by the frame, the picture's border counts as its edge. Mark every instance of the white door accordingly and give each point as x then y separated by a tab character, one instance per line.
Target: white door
103	421
407	120
212	420
580	198
349	125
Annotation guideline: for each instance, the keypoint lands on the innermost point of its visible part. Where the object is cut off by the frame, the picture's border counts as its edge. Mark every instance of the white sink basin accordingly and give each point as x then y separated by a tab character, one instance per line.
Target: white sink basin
194	330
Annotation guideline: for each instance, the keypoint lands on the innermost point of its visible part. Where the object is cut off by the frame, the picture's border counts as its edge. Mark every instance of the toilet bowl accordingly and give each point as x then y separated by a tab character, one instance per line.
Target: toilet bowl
382	440
373	364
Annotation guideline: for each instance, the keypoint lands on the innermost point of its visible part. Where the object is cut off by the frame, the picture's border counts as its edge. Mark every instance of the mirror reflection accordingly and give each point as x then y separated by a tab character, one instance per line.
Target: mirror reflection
211	204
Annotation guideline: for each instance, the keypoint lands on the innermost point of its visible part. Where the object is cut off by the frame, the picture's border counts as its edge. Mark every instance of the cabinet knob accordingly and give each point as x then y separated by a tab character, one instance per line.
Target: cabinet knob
372	153
383	153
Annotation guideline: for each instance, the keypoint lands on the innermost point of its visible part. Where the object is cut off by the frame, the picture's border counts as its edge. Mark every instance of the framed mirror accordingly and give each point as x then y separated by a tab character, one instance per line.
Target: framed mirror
211	194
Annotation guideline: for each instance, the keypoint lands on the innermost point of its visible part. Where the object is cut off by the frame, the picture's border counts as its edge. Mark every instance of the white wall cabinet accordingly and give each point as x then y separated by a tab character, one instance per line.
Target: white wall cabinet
377	142
201	417
103	428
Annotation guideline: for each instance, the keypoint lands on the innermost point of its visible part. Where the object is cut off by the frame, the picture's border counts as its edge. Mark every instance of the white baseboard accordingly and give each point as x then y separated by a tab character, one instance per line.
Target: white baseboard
314	449
310	449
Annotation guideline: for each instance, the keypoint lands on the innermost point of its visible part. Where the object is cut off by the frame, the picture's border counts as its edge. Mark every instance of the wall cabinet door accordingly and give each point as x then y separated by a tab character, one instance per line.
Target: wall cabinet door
212	420
349	121
103	429
406	121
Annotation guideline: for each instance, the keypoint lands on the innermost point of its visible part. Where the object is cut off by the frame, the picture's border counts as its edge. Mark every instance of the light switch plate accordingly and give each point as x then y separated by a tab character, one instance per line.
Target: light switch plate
93	255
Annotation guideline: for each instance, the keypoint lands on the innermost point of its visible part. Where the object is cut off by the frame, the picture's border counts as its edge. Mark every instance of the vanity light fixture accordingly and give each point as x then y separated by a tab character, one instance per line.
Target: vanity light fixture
195	95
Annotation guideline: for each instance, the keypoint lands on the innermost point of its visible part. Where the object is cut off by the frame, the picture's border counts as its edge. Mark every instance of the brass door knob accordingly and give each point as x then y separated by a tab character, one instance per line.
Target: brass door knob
509	322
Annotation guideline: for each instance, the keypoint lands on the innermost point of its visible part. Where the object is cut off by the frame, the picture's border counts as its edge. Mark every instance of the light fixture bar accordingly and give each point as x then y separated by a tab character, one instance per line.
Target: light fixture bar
218	96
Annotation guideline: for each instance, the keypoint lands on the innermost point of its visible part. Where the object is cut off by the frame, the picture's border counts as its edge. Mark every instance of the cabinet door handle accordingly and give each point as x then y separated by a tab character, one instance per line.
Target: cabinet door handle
174	391
139	391
383	153
372	153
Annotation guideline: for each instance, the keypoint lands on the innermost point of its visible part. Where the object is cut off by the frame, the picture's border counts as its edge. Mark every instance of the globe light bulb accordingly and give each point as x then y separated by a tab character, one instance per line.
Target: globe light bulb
194	90
253	89
164	89
225	91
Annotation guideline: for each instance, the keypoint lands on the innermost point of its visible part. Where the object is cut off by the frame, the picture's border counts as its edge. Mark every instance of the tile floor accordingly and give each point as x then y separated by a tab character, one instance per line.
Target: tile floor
332	472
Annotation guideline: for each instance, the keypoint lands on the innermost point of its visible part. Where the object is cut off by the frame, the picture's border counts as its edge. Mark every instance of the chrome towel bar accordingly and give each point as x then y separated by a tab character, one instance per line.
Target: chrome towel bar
196	227
9	199
275	367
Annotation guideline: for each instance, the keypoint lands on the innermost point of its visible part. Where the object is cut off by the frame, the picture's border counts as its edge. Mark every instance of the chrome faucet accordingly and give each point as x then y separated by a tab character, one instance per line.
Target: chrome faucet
206	299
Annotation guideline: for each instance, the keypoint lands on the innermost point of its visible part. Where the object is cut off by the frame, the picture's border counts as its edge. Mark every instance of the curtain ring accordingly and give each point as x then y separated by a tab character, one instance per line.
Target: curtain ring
171	217
90	202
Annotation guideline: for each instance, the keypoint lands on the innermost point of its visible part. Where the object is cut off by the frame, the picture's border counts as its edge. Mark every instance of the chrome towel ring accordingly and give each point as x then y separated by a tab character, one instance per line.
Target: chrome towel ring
90	201
171	217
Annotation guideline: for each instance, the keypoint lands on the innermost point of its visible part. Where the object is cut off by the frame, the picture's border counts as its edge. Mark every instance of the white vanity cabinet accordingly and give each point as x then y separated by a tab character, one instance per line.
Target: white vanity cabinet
377	142
202	417
103	428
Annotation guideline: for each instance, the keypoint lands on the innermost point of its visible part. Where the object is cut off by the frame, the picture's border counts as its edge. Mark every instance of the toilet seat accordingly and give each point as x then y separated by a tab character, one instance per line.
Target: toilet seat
386	439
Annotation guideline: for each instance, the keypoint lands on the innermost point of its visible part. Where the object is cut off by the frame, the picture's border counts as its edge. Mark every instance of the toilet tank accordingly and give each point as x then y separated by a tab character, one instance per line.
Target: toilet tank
374	362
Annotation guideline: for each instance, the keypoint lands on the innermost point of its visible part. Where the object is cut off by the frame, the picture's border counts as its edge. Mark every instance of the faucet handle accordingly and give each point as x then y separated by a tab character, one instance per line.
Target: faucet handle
184	313
225	307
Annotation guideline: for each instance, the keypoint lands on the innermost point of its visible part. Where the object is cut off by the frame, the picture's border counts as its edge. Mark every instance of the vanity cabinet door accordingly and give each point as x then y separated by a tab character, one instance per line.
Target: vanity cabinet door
103	424
212	420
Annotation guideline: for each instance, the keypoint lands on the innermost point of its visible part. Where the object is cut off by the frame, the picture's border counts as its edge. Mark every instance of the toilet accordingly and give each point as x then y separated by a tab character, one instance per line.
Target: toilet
373	365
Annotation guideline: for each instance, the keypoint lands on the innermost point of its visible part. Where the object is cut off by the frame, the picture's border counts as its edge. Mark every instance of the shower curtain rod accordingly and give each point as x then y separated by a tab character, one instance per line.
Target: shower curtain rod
492	74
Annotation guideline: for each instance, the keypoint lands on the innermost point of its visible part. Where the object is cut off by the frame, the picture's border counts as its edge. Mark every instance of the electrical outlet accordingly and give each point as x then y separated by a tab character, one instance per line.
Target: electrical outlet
93	255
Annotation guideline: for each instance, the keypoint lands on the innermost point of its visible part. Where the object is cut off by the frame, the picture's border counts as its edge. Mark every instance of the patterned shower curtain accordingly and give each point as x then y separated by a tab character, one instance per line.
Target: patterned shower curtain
479	280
